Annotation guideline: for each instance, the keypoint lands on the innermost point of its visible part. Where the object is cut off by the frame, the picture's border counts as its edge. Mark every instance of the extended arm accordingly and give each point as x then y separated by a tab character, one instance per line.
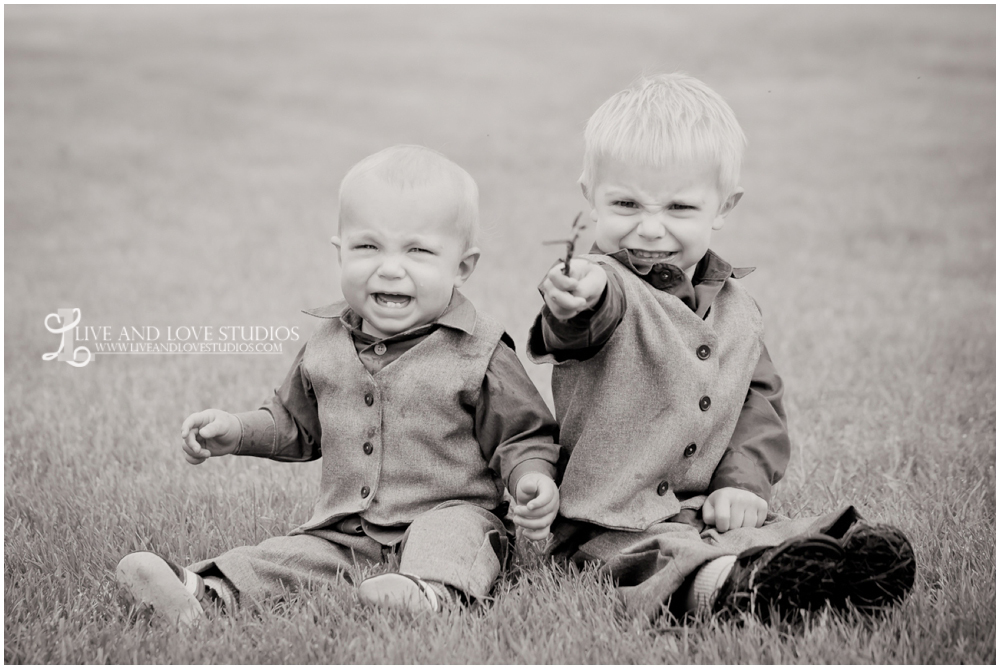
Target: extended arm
581	336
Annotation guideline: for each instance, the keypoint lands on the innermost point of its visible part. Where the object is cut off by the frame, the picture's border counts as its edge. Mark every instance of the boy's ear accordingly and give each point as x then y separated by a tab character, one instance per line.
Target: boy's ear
467	265
335	240
732	201
727	207
586	194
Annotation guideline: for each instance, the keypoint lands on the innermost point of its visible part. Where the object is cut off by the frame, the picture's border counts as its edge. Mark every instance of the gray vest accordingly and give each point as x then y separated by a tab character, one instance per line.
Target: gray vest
400	442
648	418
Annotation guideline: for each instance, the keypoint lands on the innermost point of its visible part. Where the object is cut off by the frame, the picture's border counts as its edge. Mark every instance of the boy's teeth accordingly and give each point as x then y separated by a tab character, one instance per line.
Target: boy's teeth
392	301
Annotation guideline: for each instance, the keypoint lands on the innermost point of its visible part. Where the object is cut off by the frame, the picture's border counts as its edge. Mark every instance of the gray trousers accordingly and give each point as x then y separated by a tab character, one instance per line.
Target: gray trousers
650	566
457	544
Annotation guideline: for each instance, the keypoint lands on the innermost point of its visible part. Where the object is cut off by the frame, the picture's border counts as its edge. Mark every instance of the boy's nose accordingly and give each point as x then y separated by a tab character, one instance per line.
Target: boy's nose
391	268
651	227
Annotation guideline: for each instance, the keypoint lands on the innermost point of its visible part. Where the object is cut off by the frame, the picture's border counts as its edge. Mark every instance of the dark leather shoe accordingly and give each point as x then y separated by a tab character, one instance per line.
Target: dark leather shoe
802	574
880	565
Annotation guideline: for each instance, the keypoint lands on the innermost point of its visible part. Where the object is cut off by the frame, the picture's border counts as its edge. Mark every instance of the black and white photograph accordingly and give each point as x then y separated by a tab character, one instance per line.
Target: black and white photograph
500	334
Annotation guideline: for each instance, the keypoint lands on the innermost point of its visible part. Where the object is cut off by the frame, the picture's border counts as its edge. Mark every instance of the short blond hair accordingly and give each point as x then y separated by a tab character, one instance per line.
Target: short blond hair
665	118
408	166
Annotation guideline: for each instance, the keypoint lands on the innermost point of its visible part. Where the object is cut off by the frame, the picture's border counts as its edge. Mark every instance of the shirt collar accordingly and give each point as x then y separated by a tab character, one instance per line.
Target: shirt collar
459	315
714	268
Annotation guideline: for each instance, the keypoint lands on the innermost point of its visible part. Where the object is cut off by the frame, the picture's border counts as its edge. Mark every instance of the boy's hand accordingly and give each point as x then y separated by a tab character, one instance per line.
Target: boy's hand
537	498
732	508
210	433
566	296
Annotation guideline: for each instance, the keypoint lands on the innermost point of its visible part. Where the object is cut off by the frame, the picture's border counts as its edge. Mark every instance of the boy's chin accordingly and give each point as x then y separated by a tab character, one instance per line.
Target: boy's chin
378	329
387	327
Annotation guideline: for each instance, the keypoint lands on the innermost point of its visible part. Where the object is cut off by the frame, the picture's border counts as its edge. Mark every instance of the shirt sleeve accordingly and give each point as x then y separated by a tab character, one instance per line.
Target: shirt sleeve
515	430
582	336
760	447
286	428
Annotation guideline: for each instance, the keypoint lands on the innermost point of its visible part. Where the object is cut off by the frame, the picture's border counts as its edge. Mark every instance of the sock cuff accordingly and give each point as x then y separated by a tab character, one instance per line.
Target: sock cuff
707	581
193	583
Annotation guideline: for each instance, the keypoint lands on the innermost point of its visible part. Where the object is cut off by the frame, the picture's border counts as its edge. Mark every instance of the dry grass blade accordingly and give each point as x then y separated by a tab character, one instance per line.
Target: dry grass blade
570	243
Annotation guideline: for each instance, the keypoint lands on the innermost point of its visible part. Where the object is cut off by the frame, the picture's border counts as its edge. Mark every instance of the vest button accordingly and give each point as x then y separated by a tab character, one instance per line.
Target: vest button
662	489
369	399
704	403
380	349
367	448
365	491
689	451
704	352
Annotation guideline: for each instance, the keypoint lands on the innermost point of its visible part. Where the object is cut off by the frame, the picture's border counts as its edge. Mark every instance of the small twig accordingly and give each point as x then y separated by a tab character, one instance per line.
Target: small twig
570	243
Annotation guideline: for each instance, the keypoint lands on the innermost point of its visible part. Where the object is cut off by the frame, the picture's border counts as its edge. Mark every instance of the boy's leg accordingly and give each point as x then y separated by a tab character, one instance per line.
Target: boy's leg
787	564
815	555
453	546
647	567
290	563
246	574
174	593
837	558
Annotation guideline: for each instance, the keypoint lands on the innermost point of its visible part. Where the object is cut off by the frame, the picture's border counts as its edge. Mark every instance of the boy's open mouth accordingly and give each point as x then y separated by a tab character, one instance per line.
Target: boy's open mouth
391	300
651	256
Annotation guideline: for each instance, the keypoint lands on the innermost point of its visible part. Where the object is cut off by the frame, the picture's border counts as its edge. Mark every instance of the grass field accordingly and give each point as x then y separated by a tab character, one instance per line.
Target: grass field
172	166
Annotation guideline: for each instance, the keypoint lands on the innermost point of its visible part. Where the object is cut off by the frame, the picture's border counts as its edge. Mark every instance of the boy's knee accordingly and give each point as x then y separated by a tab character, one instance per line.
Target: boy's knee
460	545
453	518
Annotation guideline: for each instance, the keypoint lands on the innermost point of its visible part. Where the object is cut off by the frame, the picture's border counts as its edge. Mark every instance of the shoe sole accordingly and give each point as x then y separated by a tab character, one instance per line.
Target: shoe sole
880	566
802	575
395	591
151	581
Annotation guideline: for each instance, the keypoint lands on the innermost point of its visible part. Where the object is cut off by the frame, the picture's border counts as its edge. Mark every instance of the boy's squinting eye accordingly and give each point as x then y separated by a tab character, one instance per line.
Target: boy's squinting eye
627	204
419	249
682	206
363	247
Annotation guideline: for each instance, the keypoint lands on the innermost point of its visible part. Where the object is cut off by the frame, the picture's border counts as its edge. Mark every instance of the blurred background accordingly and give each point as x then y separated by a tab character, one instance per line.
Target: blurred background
179	165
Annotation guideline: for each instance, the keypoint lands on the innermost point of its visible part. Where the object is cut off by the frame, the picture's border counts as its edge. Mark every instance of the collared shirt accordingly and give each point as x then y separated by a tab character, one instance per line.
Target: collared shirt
376	353
760	447
510	410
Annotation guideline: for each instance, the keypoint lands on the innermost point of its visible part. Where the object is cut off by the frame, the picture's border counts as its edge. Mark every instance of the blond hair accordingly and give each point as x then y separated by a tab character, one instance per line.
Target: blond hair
408	166
661	119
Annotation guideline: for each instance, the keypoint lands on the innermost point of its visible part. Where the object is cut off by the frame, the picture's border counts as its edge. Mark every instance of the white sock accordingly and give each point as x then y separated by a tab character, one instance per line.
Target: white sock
707	581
